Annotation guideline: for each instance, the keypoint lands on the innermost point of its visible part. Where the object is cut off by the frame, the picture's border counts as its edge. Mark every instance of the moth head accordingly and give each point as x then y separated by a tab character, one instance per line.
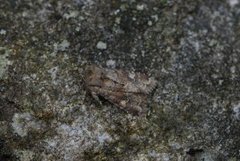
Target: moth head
91	72
92	76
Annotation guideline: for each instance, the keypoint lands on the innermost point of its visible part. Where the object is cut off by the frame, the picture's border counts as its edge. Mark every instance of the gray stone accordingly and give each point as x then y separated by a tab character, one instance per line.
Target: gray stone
192	48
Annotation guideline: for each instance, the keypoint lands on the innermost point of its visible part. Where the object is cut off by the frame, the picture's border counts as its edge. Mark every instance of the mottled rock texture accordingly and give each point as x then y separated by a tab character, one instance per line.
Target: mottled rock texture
191	47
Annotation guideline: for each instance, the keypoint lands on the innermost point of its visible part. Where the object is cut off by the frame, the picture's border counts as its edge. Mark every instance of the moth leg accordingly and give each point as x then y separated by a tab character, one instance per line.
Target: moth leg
136	110
95	96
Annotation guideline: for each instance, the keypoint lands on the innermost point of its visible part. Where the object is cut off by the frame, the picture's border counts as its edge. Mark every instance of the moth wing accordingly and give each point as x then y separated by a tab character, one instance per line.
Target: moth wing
134	103
132	82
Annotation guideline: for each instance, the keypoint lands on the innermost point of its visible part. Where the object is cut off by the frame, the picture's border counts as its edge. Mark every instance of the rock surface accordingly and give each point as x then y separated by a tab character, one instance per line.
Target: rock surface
191	47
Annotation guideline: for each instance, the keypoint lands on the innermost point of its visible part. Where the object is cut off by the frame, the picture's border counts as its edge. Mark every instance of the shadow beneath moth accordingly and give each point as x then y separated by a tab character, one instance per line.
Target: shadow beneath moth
126	90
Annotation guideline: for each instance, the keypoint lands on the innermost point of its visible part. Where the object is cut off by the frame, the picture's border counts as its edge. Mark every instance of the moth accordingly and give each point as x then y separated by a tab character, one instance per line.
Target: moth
126	90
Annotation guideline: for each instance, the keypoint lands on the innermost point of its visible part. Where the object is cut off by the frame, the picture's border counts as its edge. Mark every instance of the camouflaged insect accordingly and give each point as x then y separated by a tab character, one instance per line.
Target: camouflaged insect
127	90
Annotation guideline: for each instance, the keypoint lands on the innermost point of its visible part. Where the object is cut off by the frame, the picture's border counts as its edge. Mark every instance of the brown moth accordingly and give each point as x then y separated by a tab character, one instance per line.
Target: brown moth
126	90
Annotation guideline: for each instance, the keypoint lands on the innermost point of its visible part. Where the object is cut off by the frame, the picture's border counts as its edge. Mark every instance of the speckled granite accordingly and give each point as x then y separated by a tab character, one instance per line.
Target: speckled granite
191	47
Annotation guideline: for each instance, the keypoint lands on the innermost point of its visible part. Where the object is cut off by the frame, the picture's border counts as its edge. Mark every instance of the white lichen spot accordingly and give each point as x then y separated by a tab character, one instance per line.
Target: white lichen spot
214	76
71	14
155	17
3	32
233	72
150	23
140	7
101	45
141	157
159	156
152	155
174	145
105	137
132	75
116	12
111	63
71	140
77	29
236	111
197	46
61	46
213	42
133	55
123	103
233	3
118	20
123	7
22	123
53	71
88	2
24	155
